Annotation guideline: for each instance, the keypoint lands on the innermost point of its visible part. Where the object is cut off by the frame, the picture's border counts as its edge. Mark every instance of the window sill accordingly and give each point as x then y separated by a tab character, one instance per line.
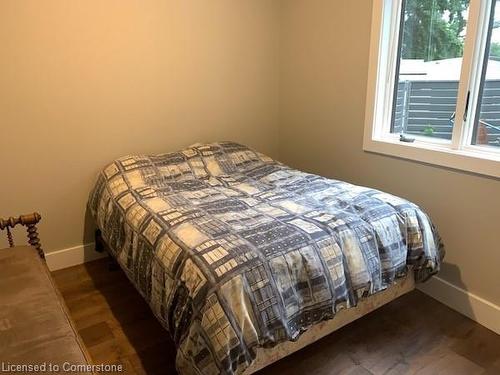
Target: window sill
470	159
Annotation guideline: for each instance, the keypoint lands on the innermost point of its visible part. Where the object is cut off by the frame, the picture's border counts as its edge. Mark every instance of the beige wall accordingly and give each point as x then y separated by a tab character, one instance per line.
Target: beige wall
325	47
83	82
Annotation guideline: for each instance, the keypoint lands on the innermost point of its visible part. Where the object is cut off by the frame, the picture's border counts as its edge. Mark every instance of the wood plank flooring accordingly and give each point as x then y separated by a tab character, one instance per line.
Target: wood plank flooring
412	335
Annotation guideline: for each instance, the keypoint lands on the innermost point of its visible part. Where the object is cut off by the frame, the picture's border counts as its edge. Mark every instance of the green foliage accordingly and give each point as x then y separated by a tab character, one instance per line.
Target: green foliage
495	51
433	29
428	130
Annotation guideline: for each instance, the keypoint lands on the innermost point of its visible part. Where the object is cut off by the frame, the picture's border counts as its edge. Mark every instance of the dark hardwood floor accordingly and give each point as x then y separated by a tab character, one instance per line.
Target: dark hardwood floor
412	335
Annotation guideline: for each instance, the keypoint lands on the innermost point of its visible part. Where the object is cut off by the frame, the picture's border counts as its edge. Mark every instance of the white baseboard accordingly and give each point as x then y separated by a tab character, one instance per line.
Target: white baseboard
72	256
466	303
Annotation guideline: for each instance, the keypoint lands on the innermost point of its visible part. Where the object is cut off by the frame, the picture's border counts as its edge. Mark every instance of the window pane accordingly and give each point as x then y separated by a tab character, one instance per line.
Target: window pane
487	121
430	62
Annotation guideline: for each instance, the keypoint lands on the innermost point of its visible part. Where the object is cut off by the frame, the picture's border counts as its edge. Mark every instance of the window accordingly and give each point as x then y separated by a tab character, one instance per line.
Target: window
487	120
434	83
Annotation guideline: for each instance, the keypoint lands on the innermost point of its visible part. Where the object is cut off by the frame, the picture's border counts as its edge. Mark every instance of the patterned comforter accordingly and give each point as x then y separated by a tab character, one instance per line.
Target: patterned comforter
233	250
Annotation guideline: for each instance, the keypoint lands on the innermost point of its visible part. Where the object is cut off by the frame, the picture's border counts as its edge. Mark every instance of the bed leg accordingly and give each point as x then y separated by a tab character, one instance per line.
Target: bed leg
100	247
112	264
99	243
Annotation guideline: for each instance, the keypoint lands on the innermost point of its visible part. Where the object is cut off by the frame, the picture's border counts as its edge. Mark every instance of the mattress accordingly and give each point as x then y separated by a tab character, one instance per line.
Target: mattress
235	252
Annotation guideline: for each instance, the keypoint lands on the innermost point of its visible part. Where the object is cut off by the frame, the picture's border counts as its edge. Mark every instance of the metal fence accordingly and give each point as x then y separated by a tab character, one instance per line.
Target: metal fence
427	108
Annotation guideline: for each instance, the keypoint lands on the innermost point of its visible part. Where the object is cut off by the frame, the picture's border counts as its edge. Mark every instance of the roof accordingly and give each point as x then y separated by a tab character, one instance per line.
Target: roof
441	70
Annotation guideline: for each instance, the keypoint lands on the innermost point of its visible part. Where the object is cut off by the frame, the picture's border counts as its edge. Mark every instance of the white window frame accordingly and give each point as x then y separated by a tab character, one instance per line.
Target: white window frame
457	154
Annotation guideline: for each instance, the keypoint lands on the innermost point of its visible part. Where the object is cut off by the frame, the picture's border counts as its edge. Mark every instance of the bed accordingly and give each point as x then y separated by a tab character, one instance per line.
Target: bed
244	260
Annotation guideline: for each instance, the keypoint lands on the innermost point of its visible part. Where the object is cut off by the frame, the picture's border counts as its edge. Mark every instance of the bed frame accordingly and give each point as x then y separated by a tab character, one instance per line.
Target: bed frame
267	356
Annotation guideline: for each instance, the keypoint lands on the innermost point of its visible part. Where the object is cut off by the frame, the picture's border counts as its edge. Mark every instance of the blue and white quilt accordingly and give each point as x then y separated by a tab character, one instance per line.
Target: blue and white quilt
234	250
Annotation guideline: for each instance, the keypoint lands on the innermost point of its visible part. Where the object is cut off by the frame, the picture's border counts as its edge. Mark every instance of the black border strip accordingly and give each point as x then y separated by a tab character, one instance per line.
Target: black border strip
398	63
483	73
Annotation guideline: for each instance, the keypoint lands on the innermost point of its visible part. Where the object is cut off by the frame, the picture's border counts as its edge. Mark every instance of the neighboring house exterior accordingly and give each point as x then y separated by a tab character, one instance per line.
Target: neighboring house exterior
427	96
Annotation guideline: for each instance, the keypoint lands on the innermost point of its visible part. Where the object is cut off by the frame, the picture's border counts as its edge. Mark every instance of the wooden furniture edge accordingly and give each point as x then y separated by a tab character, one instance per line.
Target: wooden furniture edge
29	221
65	310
